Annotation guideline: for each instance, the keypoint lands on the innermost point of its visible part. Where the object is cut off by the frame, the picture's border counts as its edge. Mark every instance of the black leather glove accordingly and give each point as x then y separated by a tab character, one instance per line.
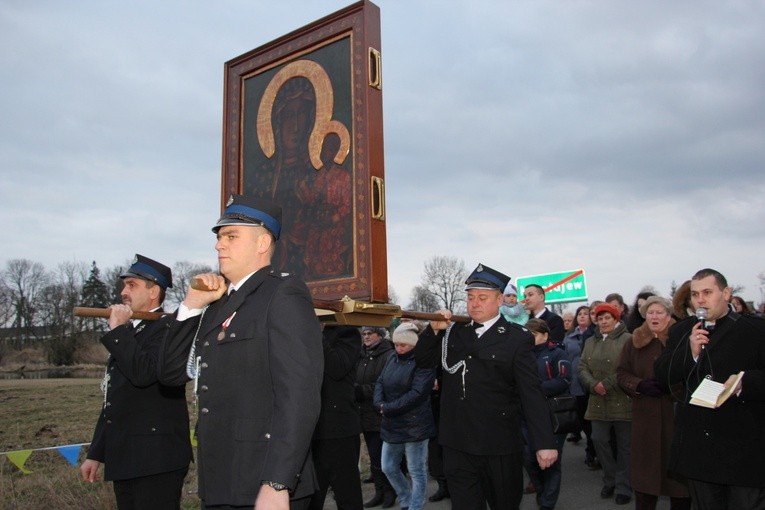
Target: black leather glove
650	388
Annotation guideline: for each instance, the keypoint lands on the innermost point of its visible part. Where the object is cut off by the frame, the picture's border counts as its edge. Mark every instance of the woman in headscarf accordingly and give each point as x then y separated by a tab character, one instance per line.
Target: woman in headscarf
652	409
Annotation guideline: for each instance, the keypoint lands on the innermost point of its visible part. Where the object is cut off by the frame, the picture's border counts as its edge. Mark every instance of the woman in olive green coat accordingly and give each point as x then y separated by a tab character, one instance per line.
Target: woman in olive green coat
609	408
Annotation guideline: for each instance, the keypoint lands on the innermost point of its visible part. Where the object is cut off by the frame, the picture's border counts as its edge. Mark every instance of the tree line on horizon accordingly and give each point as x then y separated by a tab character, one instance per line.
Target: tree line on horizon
36	304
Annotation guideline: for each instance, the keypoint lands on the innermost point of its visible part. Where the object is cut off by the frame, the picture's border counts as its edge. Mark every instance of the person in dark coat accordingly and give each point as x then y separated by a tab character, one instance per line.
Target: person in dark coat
402	397
336	441
253	344
555	372
489	373
375	351
609	408
721	452
573	345
534	296
142	434
653	409
435	450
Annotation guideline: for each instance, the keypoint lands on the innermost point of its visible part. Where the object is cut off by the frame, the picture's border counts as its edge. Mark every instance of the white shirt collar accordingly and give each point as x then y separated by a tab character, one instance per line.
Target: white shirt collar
236	286
136	322
486	325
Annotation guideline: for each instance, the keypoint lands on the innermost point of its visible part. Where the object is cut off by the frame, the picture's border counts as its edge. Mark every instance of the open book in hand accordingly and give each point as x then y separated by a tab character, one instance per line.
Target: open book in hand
713	394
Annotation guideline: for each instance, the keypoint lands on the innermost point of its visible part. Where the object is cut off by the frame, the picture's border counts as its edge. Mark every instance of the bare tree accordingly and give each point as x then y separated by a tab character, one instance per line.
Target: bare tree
183	272
59	298
6	304
444	278
25	279
392	296
422	300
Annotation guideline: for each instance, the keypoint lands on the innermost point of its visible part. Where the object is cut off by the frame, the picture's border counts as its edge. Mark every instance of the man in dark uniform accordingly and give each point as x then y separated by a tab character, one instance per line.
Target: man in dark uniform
337	439
721	452
142	433
489	373
253	342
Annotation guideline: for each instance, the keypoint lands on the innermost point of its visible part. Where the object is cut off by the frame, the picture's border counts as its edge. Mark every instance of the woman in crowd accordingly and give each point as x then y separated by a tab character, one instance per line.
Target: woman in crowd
635	319
609	407
741	306
682	308
652	409
554	369
568	321
374	353
402	397
573	344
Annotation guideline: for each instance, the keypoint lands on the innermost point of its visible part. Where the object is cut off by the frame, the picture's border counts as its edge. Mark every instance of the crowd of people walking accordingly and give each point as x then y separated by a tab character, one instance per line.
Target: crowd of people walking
625	412
473	401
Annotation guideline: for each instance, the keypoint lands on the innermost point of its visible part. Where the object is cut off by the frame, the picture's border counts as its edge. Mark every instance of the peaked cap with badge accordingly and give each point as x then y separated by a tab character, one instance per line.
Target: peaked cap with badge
251	211
484	277
149	270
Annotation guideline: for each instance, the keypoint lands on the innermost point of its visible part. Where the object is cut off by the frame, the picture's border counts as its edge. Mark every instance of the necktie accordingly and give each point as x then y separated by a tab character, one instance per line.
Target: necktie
476	325
191	363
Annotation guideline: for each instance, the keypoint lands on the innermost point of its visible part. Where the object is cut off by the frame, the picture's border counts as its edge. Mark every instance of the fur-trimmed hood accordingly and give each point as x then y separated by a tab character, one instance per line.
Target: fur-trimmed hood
642	336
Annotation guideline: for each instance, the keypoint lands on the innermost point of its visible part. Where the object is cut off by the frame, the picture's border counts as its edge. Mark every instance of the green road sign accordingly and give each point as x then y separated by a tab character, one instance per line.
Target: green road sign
562	287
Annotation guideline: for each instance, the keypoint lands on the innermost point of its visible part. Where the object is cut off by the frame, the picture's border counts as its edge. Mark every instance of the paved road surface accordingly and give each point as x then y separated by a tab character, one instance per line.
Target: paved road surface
580	488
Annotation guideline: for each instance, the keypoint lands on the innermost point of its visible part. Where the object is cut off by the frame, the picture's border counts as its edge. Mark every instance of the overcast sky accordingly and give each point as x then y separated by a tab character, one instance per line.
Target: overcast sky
626	138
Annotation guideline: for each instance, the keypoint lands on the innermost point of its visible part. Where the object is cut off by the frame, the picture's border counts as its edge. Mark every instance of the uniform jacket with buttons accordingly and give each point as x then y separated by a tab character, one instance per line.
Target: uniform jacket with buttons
598	364
482	417
143	428
259	388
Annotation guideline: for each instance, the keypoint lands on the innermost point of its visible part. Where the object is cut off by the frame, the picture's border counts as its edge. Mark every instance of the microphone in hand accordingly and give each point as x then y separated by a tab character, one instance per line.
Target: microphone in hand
701	316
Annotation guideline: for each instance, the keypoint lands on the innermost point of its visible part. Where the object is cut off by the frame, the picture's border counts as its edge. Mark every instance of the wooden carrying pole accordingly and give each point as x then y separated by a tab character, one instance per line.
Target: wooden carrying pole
361	313
82	311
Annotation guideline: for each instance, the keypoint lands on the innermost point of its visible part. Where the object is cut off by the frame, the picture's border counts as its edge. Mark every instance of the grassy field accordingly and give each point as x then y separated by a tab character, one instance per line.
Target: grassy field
39	413
55	412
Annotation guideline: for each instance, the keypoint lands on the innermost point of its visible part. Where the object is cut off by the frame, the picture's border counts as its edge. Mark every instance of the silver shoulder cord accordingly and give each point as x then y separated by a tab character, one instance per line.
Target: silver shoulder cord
105	381
192	364
460	364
